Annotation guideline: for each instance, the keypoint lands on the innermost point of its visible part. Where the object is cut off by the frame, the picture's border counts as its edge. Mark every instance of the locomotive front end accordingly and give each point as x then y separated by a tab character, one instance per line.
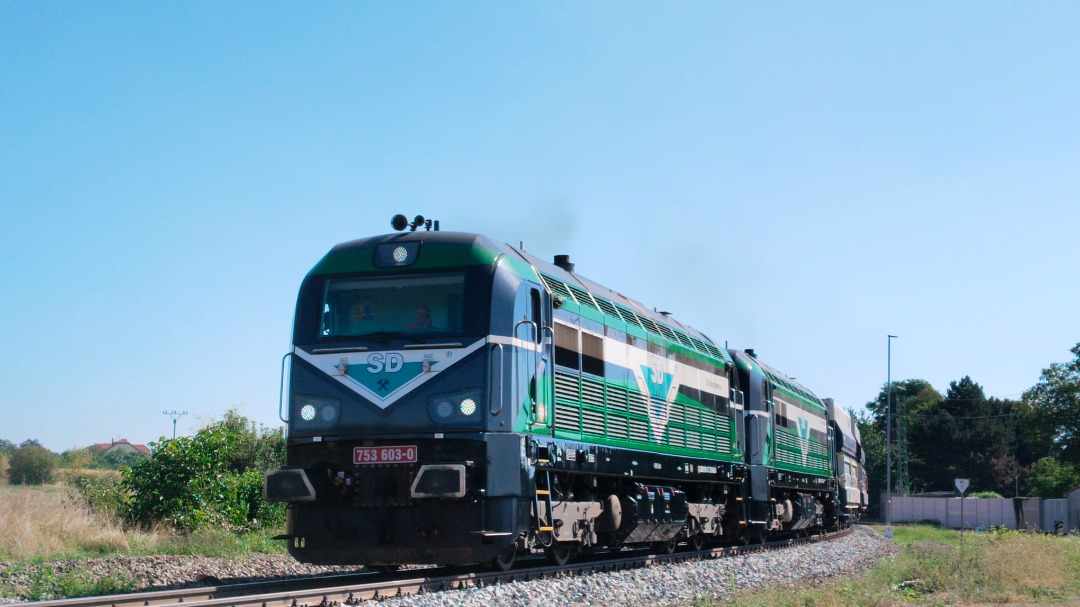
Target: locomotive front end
392	423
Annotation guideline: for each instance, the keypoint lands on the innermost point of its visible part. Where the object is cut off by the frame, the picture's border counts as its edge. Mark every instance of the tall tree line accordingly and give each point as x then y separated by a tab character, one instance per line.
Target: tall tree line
1024	447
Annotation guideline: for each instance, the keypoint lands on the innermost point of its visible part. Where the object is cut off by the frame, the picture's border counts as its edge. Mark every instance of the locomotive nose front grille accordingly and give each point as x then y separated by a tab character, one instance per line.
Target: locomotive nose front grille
388	486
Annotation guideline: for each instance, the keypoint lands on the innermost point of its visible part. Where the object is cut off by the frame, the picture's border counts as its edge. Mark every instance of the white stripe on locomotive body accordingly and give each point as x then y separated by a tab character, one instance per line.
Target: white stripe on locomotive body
794	411
514	342
652	371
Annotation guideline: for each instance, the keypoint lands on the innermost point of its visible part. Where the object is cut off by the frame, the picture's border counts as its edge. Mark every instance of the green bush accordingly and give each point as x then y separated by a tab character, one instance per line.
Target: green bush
213	479
1051	478
115	460
104	495
31	464
46	584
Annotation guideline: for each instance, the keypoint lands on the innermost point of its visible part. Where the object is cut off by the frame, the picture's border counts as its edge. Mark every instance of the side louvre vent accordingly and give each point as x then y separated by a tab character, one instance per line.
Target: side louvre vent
700	345
667	332
556	286
649	325
607	307
684	339
628	316
583	297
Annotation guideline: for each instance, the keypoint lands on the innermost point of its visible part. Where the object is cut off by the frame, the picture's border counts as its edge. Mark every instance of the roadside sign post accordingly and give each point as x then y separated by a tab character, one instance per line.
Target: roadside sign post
961	488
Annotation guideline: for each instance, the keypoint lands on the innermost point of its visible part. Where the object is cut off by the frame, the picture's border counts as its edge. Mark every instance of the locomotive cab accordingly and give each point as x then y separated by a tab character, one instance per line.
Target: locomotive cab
402	392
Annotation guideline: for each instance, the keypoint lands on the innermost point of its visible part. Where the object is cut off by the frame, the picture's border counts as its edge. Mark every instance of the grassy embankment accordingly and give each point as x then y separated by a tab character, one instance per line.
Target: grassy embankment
50	523
935	567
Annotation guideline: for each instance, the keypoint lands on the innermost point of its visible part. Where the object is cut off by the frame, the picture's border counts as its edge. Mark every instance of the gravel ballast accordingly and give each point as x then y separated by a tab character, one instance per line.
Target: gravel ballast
659	585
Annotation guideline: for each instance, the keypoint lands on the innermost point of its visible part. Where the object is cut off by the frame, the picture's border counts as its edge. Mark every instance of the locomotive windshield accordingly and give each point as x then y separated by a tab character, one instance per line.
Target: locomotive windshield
407	304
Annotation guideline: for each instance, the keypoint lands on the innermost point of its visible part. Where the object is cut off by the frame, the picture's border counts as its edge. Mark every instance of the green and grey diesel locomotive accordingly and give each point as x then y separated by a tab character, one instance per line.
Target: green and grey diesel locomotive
453	400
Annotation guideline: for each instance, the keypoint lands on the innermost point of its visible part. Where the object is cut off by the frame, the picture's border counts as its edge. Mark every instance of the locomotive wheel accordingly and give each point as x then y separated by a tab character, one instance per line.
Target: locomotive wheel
559	554
505	559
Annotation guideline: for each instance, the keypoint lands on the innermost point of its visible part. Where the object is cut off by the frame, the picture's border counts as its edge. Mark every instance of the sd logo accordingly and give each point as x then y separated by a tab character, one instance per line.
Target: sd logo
379	362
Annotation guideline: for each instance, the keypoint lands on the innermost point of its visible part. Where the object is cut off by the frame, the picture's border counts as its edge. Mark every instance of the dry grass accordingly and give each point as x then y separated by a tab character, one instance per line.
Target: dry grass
1030	566
53	522
69	476
935	569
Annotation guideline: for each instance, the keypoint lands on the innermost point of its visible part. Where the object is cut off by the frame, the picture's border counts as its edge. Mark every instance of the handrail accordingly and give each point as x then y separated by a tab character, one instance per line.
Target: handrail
534	337
549	418
502	366
281	387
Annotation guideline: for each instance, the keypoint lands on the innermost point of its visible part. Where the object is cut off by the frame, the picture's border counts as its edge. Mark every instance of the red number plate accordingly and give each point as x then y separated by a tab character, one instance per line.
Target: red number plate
384	455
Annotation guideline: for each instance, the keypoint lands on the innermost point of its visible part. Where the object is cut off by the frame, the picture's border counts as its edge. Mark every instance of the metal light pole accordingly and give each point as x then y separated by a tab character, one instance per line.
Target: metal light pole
175	415
888	446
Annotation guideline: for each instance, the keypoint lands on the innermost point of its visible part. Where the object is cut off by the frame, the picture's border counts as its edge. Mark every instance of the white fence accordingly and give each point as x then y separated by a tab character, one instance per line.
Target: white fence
973	512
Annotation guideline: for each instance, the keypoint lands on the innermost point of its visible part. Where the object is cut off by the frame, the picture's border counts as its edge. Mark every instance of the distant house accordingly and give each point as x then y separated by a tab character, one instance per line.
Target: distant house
121	446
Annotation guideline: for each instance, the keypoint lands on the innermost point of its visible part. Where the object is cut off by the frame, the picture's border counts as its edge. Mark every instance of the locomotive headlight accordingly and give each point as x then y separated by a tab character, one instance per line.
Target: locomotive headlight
315	412
444	409
328	413
455	408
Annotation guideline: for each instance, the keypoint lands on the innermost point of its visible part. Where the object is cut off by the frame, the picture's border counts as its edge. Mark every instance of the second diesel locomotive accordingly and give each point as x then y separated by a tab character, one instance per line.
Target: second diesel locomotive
454	400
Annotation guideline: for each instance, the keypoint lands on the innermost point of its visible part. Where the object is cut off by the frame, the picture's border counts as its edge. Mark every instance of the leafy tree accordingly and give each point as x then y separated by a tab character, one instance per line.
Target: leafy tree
919	398
968	436
963	434
1051	478
76	458
31	464
1056	401
873	444
115	460
6	447
211	479
1035	434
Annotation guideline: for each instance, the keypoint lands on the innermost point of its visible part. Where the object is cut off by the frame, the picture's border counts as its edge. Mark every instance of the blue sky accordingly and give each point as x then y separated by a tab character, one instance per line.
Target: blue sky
799	178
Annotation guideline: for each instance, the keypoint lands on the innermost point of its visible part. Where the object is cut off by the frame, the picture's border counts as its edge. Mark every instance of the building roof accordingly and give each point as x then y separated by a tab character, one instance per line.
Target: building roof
121	441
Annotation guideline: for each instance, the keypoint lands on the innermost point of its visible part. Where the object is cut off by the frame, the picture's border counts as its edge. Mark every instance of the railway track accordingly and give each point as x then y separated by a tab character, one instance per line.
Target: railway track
352	589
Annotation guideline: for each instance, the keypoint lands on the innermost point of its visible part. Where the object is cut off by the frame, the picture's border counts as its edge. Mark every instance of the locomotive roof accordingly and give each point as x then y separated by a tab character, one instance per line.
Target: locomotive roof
568	285
550	270
458	238
790	384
